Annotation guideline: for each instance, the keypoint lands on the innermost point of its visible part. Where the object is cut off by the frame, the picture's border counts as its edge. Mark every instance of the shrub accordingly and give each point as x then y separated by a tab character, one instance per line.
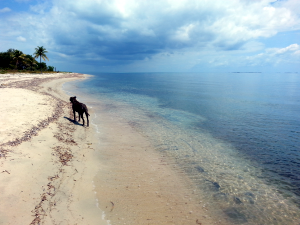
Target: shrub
50	68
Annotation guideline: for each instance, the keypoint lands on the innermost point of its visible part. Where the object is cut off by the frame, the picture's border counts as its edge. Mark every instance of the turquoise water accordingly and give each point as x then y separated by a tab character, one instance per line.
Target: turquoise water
236	135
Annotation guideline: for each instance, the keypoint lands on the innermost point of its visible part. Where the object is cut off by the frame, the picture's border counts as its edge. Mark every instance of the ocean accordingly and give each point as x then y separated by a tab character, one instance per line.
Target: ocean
235	135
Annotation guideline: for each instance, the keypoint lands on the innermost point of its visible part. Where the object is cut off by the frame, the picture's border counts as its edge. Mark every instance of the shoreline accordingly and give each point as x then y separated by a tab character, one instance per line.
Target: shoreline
136	183
147	186
56	172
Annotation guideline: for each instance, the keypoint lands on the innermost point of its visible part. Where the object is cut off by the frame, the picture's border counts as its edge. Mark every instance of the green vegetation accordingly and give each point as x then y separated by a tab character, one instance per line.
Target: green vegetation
40	51
18	57
50	68
14	60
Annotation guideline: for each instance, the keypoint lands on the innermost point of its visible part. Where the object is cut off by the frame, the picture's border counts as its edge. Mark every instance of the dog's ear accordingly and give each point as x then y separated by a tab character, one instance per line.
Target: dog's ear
74	96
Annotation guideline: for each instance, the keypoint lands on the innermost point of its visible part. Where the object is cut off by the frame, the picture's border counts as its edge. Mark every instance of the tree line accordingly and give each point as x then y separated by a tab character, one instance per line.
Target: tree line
14	59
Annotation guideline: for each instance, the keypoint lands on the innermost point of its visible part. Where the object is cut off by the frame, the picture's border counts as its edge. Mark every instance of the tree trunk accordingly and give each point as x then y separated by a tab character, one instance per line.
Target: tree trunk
41	63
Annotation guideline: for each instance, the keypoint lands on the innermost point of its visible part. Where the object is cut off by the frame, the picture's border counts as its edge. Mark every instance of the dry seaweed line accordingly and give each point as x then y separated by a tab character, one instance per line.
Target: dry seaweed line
64	154
69	140
33	131
60	105
39	212
3	153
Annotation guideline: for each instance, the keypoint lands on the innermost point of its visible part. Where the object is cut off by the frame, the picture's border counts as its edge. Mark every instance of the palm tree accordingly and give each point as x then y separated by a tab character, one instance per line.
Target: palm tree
30	61
18	56
40	52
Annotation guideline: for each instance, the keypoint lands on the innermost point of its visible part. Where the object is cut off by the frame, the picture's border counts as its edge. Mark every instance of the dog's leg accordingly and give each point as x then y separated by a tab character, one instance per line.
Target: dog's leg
87	118
74	115
82	119
79	116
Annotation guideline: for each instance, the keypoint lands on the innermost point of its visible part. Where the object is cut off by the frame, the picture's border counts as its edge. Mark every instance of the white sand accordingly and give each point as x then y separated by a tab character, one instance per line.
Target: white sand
47	179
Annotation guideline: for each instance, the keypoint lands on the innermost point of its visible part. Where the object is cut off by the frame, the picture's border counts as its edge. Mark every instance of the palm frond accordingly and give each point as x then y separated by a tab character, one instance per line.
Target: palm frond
40	51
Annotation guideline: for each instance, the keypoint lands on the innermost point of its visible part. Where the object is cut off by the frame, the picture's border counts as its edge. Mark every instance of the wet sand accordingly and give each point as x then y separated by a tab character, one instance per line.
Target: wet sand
138	185
55	171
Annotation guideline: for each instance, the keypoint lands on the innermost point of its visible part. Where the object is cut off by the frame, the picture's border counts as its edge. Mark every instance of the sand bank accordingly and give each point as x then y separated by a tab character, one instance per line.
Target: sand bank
46	162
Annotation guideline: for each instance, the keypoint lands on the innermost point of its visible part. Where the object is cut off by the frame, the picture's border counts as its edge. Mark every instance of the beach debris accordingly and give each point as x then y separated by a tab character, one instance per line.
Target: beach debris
5	171
113	205
53	178
63	128
197	222
49	188
3	153
61	138
64	154
38	211
42	208
33	84
63	135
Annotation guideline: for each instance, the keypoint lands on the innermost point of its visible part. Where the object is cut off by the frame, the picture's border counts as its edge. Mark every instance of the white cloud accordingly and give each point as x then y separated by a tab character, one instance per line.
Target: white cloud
230	21
123	31
20	38
4	10
183	33
279	58
292	5
275	56
62	55
287	50
41	7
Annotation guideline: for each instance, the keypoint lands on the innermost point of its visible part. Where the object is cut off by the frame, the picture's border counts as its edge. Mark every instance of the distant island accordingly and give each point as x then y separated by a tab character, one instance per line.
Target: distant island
261	72
246	72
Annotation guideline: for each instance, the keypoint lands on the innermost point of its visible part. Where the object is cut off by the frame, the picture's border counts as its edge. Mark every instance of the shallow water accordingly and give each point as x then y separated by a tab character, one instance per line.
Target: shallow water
235	135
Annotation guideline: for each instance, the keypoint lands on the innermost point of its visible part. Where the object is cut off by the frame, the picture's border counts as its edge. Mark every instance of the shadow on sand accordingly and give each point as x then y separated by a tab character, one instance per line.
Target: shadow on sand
75	122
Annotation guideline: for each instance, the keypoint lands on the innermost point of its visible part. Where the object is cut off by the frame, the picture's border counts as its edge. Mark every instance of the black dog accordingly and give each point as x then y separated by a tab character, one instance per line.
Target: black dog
80	108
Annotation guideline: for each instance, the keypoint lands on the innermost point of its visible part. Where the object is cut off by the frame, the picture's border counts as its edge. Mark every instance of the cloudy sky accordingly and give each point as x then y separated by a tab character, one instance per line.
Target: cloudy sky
156	35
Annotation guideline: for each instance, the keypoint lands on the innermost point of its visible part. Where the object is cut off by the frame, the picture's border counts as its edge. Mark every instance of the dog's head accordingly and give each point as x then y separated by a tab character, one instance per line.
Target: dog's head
72	99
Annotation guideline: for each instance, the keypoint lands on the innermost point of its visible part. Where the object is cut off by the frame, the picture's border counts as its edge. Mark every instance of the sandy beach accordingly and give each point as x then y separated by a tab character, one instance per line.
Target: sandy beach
44	177
48	165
